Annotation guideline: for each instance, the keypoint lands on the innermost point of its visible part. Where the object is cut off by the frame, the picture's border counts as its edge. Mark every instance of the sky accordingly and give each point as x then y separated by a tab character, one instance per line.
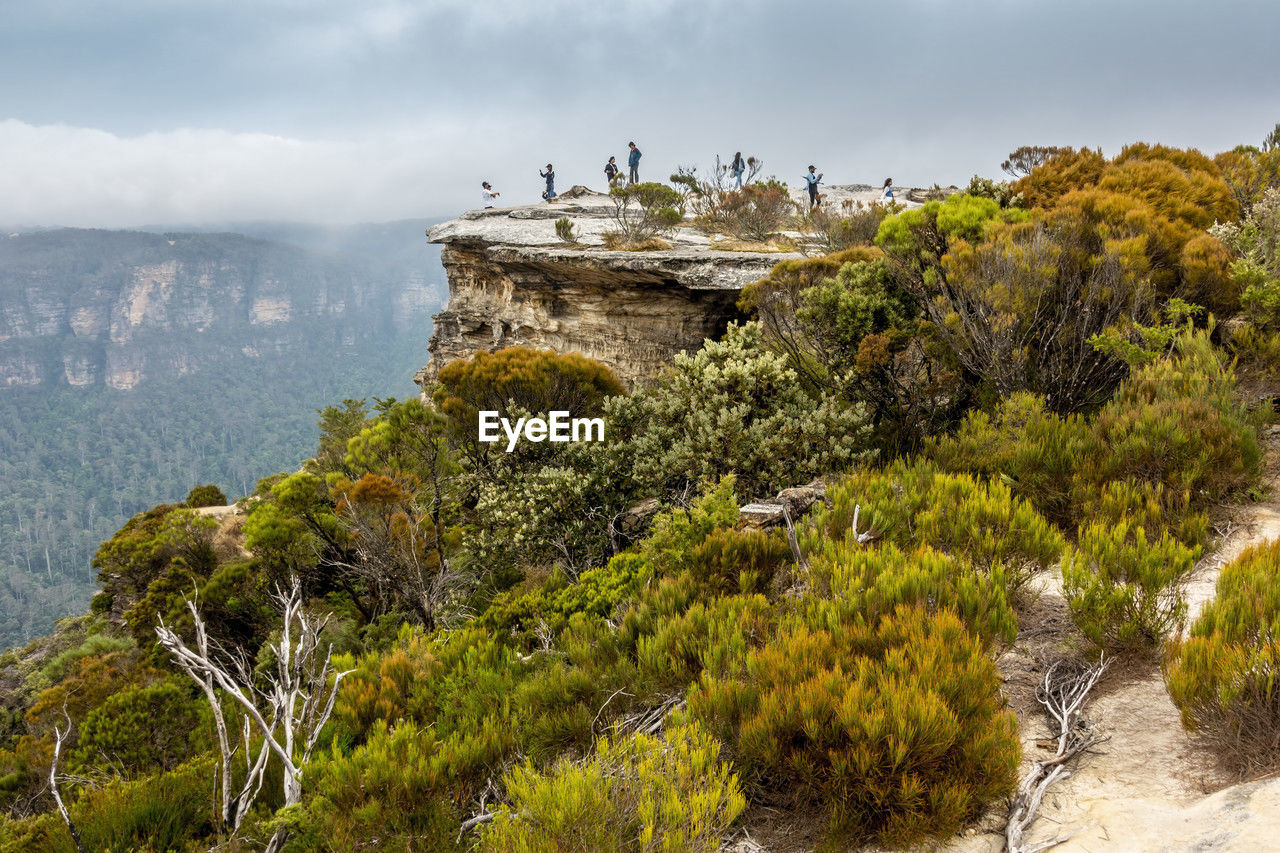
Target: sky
116	113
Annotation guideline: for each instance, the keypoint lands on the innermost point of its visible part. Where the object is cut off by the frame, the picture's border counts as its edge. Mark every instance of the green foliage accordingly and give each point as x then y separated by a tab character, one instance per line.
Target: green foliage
1122	587
395	790
1001	192
911	504
1176	423
207	495
645	211
1034	452
564	230
142	730
895	729
866	584
1222	675
518	377
734	407
639	793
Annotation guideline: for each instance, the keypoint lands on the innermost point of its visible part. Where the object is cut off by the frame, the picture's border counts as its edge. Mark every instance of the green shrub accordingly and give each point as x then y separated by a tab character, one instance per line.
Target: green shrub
170	811
1176	423
638	793
564	230
735	407
1033	451
911	504
1222	676
209	495
396	791
733	561
896	731
1122	586
645	211
852	582
141	730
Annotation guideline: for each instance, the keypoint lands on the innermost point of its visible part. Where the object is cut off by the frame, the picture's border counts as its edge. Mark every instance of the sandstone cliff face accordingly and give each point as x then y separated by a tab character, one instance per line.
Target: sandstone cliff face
86	308
512	282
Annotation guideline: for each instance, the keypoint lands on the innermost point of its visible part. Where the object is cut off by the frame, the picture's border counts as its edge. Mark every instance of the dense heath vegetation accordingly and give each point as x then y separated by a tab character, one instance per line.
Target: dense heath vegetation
1064	369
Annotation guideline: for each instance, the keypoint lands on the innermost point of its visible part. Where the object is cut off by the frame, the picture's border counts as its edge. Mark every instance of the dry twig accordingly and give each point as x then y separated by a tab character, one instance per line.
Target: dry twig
1063	692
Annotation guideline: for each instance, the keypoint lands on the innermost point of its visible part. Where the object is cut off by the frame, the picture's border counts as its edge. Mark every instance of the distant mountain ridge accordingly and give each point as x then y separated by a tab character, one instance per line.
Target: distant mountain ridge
134	364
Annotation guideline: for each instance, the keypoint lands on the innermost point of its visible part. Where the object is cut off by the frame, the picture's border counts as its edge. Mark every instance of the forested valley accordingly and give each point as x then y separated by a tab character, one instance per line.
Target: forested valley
213	396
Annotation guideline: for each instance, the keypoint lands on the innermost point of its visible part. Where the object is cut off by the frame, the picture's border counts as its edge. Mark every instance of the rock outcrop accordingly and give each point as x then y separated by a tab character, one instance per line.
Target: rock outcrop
513	282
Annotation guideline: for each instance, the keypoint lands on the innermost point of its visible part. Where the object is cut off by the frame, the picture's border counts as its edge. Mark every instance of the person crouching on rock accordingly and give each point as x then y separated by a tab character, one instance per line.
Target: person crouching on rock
611	172
550	176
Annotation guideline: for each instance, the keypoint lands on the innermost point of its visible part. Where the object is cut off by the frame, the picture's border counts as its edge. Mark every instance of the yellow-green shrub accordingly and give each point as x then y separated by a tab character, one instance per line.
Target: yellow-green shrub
1032	450
911	504
1122	586
639	793
397	791
1175	422
866	583
895	730
1223	675
730	561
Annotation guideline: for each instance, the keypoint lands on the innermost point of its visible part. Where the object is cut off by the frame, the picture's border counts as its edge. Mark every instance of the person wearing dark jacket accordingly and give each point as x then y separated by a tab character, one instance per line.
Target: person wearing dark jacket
550	176
633	160
611	172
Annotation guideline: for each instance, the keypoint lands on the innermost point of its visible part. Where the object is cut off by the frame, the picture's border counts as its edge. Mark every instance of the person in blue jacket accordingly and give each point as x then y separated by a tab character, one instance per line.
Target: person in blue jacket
633	160
813	179
550	176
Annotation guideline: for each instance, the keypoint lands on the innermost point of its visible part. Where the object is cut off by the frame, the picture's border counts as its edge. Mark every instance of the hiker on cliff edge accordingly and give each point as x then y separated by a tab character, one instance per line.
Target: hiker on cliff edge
633	160
611	172
813	180
738	167
550	176
487	194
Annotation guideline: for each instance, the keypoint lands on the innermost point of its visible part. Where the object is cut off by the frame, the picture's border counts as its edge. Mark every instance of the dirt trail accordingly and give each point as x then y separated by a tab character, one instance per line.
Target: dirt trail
1151	785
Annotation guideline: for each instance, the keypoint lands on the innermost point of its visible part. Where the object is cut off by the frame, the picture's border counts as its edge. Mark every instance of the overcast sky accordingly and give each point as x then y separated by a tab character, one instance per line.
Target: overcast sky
125	112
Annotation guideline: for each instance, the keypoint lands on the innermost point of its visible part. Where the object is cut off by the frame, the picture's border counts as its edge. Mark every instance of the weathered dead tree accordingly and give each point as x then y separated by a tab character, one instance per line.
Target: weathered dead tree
60	736
1063	692
287	711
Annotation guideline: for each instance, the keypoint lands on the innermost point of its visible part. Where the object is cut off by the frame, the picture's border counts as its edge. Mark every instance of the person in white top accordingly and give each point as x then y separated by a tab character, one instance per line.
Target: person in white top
886	196
488	194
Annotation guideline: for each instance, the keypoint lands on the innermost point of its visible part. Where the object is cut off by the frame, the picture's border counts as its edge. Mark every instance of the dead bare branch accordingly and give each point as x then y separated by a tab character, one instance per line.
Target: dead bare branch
1063	692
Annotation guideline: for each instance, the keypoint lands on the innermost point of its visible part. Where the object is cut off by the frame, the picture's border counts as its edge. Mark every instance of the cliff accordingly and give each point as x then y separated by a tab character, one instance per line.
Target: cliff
86	308
513	282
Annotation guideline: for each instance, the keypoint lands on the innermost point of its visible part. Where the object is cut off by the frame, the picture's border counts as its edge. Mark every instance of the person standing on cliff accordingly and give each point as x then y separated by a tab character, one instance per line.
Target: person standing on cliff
611	172
813	180
487	194
633	160
739	166
550	176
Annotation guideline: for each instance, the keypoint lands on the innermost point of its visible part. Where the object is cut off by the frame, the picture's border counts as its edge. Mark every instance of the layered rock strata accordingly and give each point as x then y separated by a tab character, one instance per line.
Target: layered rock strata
513	282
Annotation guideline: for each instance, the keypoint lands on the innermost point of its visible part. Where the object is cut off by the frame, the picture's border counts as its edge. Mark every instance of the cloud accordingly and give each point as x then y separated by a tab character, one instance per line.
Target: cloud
64	175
